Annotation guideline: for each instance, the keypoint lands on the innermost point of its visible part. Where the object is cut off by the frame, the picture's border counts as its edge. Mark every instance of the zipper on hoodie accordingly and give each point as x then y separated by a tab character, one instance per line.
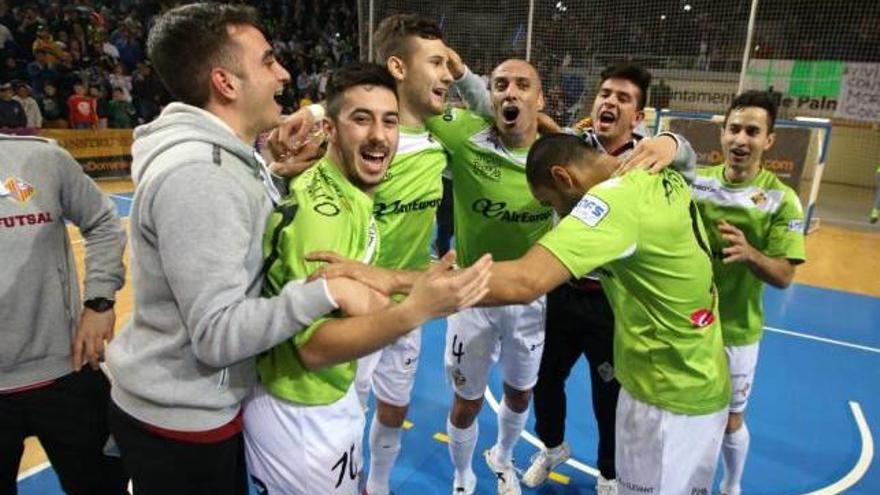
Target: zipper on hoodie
224	379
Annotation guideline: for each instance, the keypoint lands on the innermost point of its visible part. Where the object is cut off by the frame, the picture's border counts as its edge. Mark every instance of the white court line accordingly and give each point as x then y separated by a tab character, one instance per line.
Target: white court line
856	473
34	470
823	339
839	486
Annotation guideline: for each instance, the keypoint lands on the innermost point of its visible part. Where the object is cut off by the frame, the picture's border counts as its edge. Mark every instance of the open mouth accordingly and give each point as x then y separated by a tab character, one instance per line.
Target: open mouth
439	93
739	154
607	117
278	95
509	114
374	159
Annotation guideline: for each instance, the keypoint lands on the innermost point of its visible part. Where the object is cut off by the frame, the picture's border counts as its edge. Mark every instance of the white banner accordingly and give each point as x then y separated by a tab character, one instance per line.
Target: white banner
860	92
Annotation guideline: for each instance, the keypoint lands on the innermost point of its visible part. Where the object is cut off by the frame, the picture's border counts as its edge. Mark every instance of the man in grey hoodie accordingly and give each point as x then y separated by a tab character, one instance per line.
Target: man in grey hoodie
46	331
185	361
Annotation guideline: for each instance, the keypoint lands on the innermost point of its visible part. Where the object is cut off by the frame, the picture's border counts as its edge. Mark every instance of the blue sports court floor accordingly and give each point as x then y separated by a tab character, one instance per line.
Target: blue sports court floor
813	414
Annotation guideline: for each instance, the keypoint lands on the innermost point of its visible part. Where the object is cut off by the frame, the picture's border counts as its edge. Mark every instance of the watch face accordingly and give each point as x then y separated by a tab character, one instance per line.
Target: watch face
99	304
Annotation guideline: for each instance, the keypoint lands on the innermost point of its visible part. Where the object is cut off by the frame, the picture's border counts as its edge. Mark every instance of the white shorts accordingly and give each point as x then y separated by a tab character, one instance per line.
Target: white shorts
742	361
391	371
477	338
659	452
303	450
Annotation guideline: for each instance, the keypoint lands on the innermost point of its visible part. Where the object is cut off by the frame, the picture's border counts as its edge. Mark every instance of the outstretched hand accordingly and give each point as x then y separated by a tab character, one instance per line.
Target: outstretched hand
337	266
441	291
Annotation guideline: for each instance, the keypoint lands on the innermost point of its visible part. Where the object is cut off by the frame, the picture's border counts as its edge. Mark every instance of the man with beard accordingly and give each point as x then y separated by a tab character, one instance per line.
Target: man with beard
185	361
304	422
756	234
405	205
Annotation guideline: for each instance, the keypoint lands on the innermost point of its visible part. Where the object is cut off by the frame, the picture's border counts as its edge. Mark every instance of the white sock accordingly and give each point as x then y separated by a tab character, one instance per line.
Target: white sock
510	426
384	449
462	442
734	449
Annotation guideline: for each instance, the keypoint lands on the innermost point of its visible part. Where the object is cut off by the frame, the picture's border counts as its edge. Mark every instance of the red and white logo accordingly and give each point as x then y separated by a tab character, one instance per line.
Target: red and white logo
17	189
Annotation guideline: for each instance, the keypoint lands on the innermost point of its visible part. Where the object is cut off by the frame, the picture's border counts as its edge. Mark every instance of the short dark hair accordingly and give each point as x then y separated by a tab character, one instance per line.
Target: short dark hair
188	41
632	73
394	34
556	149
358	74
754	98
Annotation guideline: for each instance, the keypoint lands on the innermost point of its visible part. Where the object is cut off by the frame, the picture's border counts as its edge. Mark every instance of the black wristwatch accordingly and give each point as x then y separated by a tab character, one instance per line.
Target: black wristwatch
99	304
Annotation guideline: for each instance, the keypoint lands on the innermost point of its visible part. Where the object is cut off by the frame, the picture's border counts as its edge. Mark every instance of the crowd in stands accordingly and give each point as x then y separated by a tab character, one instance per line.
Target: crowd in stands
83	63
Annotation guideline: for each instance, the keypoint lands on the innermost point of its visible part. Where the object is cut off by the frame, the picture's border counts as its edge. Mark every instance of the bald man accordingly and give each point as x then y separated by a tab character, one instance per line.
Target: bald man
494	213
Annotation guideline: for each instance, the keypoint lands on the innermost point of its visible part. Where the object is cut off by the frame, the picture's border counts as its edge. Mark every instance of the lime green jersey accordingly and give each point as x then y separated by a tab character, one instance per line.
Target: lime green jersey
324	211
770	216
645	232
494	209
406	201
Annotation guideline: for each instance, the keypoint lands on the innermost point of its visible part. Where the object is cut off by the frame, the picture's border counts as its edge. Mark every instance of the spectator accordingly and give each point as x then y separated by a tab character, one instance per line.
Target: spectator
30	106
5	36
99	96
12	114
120	111
119	79
11	70
48	45
82	109
52	108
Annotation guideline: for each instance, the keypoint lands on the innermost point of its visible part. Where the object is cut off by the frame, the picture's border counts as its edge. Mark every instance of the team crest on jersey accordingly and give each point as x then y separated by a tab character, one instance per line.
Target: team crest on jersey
759	198
17	190
590	210
796	225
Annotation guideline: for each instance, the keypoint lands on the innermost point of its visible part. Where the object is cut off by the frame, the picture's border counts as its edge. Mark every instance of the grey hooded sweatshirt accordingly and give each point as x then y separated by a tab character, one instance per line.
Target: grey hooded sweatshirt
41	186
185	360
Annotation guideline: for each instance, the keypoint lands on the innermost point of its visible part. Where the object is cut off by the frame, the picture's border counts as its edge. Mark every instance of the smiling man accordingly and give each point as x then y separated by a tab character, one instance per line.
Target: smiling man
756	234
406	202
304	422
185	362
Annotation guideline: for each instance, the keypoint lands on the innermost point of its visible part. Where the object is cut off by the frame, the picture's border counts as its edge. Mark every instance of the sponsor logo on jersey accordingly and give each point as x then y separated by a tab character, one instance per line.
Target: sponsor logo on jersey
398	206
17	190
25	220
702	318
796	225
499	211
487	168
590	210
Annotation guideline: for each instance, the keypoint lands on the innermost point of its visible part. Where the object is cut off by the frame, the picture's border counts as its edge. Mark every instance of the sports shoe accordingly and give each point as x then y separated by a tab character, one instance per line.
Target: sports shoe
508	481
544	461
605	486
875	215
467	489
